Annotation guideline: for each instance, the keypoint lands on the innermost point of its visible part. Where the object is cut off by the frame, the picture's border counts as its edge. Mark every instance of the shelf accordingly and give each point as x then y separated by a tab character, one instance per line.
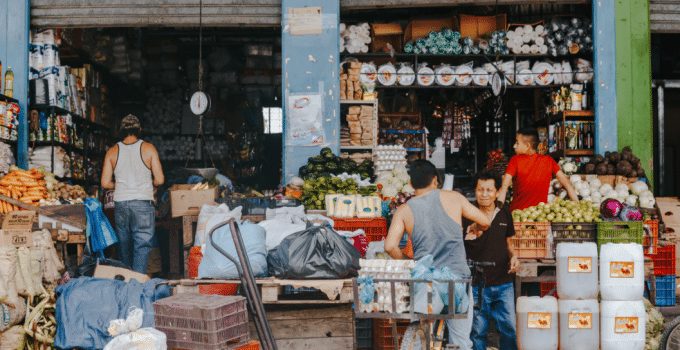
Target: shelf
491	56
8	99
573	153
415	87
568	115
76	118
357	102
367	148
404	131
65	146
415	149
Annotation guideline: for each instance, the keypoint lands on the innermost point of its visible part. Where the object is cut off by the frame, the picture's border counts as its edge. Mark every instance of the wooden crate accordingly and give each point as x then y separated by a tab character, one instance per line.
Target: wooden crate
309	326
386	33
419	28
478	26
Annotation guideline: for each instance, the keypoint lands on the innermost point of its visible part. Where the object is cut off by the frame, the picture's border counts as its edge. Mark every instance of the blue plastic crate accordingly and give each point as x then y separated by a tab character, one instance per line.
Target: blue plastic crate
364	333
663	293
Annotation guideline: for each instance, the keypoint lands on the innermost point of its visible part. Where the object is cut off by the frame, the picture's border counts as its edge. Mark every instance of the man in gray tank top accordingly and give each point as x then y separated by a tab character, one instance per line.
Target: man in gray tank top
433	221
136	167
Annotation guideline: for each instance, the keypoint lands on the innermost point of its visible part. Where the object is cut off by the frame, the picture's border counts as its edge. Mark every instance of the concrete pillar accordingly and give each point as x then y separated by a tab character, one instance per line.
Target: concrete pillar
604	28
14	33
310	54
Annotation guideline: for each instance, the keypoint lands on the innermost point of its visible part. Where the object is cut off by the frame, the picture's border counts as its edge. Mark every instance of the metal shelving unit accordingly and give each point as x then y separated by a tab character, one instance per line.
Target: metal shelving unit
373	103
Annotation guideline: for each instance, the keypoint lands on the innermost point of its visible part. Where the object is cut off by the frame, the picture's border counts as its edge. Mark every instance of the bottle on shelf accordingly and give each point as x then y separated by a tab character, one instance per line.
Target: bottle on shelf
9	82
584	97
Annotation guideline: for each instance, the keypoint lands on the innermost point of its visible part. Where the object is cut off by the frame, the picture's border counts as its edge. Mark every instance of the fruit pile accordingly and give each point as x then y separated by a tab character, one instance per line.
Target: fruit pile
327	164
623	163
496	162
559	211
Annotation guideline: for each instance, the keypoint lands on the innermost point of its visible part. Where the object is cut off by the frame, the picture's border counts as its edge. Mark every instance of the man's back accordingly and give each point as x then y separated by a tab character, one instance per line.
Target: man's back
433	221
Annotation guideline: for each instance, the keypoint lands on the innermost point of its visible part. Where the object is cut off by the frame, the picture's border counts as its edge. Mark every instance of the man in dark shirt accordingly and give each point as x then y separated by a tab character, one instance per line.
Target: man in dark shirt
492	245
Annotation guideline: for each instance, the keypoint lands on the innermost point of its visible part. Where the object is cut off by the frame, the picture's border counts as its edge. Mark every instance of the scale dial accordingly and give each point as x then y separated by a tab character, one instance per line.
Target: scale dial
200	102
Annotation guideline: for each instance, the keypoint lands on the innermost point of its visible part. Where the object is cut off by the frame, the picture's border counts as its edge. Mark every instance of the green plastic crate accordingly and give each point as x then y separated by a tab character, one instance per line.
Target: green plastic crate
619	232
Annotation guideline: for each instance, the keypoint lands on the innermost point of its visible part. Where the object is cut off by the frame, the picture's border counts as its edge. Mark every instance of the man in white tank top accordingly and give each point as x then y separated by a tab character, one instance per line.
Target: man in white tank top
136	167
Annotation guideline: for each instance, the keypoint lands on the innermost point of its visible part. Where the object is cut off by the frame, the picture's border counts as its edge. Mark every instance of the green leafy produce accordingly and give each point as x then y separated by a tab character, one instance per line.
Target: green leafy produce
327	163
316	189
559	211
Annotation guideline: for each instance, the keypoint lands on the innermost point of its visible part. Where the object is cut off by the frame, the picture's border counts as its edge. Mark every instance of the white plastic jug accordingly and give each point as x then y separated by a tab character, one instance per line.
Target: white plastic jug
577	271
623	325
537	323
622	275
579	324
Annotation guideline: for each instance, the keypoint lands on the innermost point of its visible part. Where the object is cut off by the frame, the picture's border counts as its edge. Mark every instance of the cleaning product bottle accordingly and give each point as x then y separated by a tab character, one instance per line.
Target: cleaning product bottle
9	82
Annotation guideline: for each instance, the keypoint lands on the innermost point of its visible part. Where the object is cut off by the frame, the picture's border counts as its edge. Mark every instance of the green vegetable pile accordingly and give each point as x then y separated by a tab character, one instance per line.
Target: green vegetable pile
559	211
327	163
315	190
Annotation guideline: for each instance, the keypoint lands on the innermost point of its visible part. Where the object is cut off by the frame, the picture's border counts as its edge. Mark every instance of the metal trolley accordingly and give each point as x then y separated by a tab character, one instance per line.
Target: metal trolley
432	340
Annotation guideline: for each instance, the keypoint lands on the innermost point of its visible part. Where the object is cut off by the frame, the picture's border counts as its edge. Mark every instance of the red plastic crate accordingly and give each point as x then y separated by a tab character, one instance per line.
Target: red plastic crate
375	228
531	240
650	239
664	261
382	333
548	288
251	345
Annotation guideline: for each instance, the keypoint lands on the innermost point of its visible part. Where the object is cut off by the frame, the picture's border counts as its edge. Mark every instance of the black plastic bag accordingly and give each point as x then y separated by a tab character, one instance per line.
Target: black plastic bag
315	253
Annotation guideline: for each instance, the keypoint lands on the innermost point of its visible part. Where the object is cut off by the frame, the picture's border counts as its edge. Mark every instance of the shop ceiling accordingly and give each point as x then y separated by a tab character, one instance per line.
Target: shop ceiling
216	13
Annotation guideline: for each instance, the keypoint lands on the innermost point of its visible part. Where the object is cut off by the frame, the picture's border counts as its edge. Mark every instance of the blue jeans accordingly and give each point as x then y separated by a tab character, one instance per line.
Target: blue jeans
498	303
135	225
460	329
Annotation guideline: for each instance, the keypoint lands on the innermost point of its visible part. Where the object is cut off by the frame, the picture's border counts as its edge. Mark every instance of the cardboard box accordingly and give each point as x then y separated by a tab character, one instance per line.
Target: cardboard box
117	273
185	201
17	229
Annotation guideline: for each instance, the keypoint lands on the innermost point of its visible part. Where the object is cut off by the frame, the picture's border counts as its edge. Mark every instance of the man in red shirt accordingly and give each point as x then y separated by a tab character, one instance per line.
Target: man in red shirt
530	174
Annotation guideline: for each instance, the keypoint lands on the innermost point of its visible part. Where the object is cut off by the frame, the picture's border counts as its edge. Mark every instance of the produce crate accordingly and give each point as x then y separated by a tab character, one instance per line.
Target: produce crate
375	228
386	33
663	290
573	232
419	28
196	321
664	261
650	240
548	288
619	232
531	239
364	333
251	345
478	26
382	333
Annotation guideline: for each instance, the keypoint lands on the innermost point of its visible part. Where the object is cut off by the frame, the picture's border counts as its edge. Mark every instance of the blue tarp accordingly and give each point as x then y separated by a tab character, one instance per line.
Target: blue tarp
86	305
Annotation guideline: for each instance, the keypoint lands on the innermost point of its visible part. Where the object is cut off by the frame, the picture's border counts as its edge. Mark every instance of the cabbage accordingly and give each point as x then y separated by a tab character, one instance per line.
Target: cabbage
639	187
584	192
631	200
575	179
621	188
606	188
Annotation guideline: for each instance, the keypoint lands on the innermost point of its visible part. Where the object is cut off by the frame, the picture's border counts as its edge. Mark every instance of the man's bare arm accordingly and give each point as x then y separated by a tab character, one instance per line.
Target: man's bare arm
107	170
473	214
395	233
156	167
503	192
566	183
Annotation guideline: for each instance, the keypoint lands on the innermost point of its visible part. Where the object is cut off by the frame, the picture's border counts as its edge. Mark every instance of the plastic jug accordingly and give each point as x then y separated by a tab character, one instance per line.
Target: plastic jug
579	324
623	325
622	275
537	323
577	271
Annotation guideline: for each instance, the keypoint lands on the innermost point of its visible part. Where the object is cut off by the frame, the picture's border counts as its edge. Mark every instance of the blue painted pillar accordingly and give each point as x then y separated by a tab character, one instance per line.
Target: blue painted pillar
14	33
310	67
604	31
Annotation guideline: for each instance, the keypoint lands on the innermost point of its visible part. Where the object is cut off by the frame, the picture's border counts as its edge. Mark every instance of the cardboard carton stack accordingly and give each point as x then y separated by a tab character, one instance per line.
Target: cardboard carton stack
350	87
361	127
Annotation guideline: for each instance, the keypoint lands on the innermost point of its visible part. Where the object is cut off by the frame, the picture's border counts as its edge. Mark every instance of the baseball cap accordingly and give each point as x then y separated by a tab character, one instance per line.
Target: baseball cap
130	122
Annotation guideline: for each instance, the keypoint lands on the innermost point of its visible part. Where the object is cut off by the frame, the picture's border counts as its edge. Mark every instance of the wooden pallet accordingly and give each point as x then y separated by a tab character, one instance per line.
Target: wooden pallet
272	290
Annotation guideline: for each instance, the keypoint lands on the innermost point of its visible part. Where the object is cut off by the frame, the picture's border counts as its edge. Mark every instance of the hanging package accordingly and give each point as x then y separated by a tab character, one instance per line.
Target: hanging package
317	252
216	265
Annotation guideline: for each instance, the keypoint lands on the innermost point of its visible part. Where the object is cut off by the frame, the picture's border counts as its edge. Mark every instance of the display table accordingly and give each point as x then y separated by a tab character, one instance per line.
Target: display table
531	271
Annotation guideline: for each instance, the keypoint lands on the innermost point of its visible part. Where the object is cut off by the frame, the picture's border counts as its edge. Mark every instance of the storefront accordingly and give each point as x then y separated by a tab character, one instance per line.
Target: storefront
304	91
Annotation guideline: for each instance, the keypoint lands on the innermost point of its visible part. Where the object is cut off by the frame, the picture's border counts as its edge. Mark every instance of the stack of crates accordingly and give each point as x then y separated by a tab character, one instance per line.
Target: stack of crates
203	322
364	333
664	283
382	334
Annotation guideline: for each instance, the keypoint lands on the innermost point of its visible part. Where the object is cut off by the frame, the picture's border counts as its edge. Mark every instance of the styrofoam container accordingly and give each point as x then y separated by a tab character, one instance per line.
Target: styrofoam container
579	324
537	323
577	271
623	325
622	269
